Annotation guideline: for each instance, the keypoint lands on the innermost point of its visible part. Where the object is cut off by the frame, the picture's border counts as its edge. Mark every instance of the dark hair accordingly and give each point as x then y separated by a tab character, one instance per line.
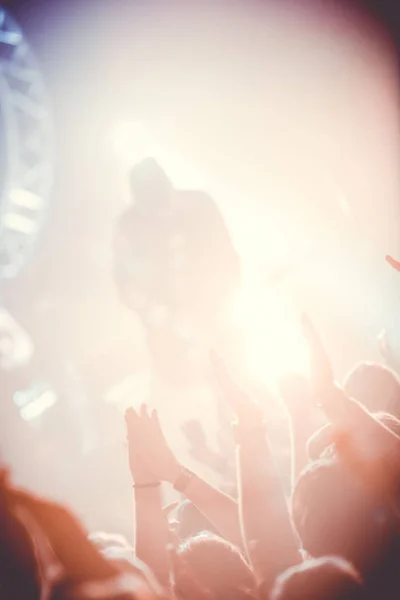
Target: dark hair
377	387
328	578
334	514
217	566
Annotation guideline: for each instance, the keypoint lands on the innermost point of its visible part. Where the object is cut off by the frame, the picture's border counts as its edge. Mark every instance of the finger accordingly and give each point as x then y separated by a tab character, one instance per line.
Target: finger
156	421
128	413
131	418
395	264
143	412
131	421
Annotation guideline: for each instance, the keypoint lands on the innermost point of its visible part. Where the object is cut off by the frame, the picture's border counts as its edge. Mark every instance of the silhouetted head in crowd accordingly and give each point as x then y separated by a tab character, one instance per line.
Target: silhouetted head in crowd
320	445
151	189
329	578
189	521
335	514
375	386
216	567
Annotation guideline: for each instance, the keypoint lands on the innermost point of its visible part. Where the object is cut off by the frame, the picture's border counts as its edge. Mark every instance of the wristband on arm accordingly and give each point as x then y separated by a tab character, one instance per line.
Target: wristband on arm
151	484
183	480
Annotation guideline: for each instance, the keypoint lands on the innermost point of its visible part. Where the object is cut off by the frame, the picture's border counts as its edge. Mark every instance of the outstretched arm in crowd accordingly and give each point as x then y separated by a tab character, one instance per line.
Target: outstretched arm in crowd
365	440
220	509
151	526
270	540
296	394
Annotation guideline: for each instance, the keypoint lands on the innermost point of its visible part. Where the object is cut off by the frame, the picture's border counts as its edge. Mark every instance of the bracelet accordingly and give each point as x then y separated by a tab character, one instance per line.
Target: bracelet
183	480
152	484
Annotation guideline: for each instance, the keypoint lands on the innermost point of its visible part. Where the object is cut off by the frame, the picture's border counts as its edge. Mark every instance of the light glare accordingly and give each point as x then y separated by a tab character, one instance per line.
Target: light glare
274	344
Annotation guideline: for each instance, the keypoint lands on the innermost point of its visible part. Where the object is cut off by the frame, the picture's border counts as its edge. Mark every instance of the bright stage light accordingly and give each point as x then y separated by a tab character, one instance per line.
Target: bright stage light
273	341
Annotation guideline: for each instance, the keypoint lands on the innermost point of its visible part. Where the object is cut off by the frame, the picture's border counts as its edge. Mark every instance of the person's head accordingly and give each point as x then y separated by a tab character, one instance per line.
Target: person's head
150	186
217	567
328	578
188	521
375	386
335	514
320	444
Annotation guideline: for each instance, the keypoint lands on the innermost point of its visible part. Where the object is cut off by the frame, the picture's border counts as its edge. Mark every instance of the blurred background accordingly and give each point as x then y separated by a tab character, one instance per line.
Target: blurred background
286	113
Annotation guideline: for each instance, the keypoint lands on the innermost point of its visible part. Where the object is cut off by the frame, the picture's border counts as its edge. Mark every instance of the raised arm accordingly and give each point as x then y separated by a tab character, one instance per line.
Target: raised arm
372	446
221	510
269	537
296	394
151	526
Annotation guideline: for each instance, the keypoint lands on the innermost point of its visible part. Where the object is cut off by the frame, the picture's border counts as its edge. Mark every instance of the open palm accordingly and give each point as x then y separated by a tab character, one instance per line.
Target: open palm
151	446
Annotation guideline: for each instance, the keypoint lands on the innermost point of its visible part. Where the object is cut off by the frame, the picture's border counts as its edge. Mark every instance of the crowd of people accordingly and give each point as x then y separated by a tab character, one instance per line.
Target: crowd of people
334	536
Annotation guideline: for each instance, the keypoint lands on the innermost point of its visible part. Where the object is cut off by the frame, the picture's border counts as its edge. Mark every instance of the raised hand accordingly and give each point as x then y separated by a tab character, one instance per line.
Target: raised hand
395	264
325	392
360	438
141	473
150	446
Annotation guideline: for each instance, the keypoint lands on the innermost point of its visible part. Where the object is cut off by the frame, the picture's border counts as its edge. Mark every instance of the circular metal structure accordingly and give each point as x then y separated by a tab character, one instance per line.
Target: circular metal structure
26	148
